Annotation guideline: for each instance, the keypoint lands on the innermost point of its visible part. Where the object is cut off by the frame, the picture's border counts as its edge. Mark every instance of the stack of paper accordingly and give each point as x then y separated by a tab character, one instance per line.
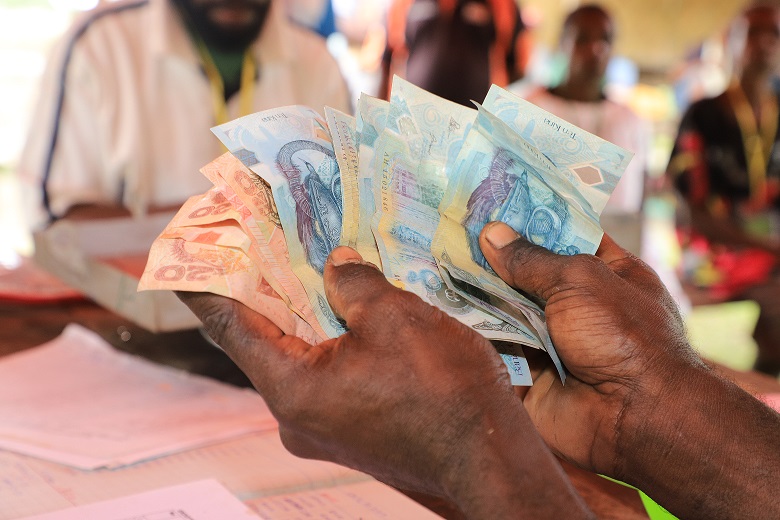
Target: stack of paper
78	401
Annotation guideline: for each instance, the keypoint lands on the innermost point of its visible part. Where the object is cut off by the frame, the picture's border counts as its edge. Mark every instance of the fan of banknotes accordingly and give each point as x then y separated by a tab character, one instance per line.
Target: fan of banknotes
409	184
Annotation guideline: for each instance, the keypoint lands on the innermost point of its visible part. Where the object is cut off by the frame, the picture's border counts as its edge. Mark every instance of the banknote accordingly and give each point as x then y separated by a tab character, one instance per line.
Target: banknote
371	119
412	179
489	180
529	322
252	201
591	164
291	149
424	133
420	145
500	175
343	131
409	183
198	263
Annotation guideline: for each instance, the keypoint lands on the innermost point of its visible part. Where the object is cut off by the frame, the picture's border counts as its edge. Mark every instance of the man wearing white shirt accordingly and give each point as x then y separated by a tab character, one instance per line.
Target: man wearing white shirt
587	42
131	92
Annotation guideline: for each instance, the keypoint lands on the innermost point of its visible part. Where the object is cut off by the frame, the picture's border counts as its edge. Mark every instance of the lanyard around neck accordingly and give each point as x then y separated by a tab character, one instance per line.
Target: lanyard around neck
246	92
758	139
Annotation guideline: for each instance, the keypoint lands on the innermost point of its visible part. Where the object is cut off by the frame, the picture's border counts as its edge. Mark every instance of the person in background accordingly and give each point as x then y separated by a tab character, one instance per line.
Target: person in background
586	41
422	402
317	15
454	48
726	166
122	126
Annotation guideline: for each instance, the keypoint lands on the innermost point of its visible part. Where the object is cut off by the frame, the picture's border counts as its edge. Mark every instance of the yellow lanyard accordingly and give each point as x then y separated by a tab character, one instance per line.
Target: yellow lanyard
757	141
246	93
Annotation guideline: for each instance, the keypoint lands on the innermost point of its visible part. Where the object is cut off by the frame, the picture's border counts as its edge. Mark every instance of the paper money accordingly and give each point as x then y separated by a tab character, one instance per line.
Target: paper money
214	257
371	117
343	131
412	179
255	210
500	175
290	148
410	184
591	164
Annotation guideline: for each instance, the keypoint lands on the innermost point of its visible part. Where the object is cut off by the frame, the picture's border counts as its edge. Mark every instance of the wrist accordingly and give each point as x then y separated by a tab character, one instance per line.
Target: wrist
696	447
651	423
504	469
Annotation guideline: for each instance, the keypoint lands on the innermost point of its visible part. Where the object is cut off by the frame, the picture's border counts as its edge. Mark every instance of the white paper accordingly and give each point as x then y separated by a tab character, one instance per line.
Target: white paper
249	467
370	500
203	500
78	401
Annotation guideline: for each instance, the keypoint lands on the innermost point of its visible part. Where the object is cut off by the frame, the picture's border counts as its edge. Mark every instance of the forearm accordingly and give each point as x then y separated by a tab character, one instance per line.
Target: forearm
508	472
703	448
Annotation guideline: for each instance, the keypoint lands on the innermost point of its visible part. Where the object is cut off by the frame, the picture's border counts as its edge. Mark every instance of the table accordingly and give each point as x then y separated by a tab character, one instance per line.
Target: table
25	326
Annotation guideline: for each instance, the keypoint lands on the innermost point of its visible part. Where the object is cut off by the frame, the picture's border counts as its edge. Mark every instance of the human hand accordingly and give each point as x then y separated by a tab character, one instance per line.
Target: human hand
616	329
408	394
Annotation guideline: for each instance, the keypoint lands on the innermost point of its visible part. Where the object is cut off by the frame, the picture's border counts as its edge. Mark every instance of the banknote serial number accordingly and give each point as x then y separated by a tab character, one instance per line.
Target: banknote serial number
274	117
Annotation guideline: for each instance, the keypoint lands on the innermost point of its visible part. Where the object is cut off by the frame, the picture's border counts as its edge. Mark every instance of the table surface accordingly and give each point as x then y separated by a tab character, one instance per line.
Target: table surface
24	326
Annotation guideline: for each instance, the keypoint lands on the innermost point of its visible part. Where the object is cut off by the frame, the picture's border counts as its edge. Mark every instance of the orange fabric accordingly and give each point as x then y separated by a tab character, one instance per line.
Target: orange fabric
447	6
396	25
505	20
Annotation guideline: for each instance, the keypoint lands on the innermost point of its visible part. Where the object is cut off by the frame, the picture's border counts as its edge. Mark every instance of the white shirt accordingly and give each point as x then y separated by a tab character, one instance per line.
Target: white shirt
126	109
615	123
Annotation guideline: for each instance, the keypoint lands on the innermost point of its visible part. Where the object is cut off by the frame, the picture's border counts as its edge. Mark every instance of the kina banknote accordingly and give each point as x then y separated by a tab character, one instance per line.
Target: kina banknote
215	256
592	165
412	179
254	208
343	132
499	175
370	121
290	148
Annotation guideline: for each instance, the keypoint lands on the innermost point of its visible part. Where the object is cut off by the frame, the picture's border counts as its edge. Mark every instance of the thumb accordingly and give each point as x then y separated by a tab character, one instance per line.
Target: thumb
259	348
523	265
352	285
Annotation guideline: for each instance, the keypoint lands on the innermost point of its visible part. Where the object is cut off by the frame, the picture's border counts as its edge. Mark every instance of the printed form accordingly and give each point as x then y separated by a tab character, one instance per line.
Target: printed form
78	401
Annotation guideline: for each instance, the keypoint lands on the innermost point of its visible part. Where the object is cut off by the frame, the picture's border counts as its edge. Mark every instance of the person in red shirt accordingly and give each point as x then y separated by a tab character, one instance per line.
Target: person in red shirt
726	166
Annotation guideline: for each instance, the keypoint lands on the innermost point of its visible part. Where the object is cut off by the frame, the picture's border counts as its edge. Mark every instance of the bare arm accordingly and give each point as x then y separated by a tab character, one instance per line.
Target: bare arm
639	404
408	395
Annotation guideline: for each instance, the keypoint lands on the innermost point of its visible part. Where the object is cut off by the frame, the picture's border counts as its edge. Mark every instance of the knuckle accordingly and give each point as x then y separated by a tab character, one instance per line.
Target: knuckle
520	256
582	269
218	317
579	272
382	309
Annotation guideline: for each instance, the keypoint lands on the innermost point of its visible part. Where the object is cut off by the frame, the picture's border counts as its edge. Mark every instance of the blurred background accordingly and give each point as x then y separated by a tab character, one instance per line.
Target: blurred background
668	53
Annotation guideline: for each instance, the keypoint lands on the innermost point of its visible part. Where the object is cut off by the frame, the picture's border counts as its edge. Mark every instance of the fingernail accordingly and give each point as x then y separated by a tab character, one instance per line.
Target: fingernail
499	234
344	255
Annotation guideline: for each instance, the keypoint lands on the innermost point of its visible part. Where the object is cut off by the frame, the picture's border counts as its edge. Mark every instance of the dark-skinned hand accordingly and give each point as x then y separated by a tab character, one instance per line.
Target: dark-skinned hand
616	329
408	395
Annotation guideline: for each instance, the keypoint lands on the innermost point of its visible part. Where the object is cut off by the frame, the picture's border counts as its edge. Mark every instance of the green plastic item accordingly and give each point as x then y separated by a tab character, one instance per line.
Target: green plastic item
654	511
